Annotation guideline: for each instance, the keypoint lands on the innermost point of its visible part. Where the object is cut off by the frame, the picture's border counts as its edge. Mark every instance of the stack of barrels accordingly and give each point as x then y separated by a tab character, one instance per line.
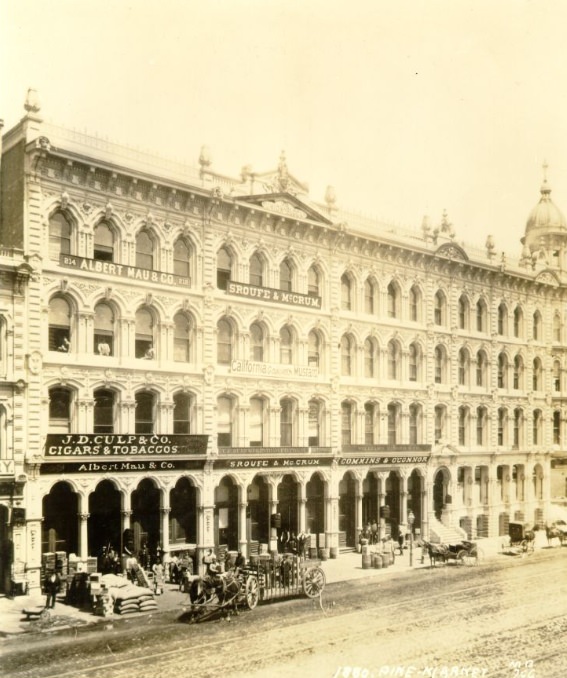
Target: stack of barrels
366	555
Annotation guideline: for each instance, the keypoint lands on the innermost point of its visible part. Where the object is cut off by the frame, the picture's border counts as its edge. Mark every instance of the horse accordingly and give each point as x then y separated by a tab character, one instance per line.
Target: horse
209	594
553	533
436	552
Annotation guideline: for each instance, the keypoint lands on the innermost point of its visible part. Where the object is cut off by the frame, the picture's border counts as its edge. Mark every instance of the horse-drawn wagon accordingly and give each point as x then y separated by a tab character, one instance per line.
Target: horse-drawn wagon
520	539
463	553
266	578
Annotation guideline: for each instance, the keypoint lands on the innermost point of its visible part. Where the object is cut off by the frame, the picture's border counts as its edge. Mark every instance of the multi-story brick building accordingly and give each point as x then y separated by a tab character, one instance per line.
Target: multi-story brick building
185	354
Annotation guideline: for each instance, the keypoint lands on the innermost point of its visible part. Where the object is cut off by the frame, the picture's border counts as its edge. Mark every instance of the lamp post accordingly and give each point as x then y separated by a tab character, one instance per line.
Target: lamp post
411	520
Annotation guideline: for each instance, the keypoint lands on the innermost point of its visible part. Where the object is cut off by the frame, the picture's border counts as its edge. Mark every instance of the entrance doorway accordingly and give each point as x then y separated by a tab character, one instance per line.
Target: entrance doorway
104	518
146	521
59	530
347	511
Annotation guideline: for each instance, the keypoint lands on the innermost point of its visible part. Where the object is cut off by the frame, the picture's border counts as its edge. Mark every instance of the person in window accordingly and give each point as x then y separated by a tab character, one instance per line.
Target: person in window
103	349
65	345
149	354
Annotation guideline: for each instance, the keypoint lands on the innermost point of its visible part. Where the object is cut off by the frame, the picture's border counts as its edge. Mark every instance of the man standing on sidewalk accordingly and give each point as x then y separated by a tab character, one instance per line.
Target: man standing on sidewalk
52	583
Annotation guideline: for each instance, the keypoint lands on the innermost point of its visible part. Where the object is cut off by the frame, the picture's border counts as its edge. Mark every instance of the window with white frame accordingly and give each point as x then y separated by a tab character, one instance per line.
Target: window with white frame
59	319
225	407
145	329
224	268
60	404
182	259
103	247
144	412
286	346
224	342
256	422
104	411
59	236
182	406
181	338
103	340
144	250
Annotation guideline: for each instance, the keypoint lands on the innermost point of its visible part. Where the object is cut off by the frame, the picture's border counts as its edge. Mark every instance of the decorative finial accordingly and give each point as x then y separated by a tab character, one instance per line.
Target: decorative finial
545	190
283	176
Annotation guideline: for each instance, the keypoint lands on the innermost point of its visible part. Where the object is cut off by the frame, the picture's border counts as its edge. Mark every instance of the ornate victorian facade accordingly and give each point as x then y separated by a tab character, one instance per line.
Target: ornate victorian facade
203	352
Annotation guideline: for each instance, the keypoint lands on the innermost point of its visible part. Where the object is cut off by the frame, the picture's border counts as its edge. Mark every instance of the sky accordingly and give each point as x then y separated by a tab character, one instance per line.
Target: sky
405	107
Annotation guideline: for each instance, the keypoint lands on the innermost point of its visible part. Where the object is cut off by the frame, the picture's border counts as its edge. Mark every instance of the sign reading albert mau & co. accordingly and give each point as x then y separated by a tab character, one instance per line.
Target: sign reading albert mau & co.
78	445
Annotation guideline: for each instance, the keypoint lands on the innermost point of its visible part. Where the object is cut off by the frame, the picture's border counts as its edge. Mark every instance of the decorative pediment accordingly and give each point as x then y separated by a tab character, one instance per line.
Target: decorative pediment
452	251
547	278
286	205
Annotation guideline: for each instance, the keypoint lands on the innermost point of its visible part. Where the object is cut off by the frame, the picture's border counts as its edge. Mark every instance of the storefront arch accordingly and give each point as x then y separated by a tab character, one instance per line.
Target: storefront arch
226	514
393	497
183	502
440	491
370	499
416	488
104	518
60	527
145	520
287	503
258	514
347	510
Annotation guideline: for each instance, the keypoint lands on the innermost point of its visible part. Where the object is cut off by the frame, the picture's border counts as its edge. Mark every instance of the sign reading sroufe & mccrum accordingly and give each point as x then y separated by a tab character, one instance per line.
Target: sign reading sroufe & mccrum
78	445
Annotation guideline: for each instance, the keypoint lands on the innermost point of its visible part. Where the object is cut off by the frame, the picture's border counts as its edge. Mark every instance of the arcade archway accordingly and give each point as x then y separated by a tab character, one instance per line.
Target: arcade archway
104	518
146	517
60	527
183	514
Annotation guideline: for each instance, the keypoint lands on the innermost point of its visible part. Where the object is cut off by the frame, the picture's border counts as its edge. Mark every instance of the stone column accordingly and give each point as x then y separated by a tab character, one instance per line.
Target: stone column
164	517
83	535
242	535
382	477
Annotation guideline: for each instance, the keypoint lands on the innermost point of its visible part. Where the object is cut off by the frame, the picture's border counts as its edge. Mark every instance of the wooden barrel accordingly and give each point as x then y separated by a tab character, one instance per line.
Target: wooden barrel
254	559
377	561
366	561
334	552
385	560
324	554
313	552
365	550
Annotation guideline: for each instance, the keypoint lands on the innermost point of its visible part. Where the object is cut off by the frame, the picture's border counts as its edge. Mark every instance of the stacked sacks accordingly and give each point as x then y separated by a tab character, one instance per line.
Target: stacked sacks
127	597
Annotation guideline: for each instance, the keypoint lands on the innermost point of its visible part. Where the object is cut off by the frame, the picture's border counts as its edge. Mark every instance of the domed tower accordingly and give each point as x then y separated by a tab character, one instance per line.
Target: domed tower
545	241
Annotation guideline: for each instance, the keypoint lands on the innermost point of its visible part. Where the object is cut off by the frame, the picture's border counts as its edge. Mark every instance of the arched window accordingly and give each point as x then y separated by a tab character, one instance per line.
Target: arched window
286	346
557	428
481	367
287	422
537	427
182	259
60	400
440	423
144	412
144	251
369	363
518	428
286	276
104	411
224	268
256	422
370	424
145	335
314	427
463	313
181	338
346	293
393	360
537	375
518	373
346	355
103	249
440	365
481	316
224	421
313	282
502	320
502	371
502	426
346	423
224	342
536	329
313	349
257	343
370	297
464	424
414	362
518	322
59	236
415	423
182	407
256	270
439	309
556	376
393	300
103	340
464	364
481	425
394	412
59	325
414	303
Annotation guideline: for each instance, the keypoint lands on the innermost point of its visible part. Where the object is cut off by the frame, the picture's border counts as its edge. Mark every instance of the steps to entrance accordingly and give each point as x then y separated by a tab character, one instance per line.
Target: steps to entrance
444	534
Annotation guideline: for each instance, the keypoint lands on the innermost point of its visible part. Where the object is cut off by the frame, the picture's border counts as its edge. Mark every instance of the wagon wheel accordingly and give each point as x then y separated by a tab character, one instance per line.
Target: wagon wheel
313	582
252	593
462	557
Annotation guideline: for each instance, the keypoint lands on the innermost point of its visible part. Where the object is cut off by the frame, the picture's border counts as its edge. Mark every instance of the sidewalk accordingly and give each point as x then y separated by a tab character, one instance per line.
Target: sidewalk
348	566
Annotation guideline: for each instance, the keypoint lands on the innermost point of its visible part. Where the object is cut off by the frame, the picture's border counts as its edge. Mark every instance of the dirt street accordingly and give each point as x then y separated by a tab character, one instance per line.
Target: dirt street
505	618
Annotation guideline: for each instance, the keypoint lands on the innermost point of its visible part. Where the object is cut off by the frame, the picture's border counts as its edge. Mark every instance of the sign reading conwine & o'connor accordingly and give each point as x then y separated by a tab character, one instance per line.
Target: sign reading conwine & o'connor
123	445
122	271
273	370
270	294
